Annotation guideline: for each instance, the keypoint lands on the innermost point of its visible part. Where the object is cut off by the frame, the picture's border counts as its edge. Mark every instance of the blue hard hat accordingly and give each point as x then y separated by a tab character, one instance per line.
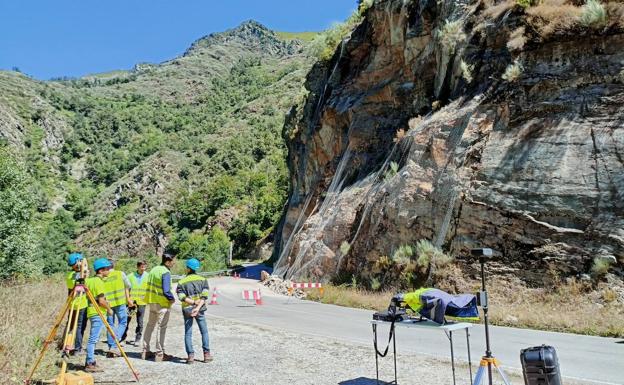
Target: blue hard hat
101	263
193	264
74	258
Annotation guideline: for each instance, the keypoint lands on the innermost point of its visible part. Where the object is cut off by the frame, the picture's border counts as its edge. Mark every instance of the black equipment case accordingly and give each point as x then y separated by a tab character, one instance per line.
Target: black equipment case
540	366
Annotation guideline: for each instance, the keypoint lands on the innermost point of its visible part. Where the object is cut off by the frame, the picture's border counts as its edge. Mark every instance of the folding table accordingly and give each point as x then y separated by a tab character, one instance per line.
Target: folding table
447	328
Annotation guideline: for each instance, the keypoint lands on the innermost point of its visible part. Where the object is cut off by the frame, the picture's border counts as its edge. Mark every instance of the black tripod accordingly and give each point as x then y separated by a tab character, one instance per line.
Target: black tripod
488	361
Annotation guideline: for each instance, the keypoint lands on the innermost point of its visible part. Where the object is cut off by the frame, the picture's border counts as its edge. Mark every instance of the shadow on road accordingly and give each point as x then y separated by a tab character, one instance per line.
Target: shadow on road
362	381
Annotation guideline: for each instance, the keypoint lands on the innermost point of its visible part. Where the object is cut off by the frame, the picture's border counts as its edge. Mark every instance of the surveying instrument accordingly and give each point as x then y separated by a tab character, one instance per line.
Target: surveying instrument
488	361
71	329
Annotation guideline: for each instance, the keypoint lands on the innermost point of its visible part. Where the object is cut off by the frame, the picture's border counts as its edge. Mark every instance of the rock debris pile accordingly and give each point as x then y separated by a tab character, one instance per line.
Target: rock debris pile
280	286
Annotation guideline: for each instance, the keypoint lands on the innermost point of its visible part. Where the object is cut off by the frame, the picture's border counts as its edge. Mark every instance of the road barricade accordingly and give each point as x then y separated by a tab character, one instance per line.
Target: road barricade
305	285
252	297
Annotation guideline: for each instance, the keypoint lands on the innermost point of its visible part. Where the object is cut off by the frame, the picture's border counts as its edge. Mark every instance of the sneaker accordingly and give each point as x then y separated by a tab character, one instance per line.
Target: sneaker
112	354
160	357
207	357
93	368
190	359
147	355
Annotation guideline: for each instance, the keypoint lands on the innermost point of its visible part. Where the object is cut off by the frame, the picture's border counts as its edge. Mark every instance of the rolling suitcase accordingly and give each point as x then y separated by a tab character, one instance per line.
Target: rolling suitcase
540	366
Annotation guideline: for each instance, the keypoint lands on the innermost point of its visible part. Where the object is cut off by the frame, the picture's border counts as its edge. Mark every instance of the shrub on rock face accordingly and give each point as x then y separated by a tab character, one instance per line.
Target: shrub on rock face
451	34
513	71
600	266
594	14
466	71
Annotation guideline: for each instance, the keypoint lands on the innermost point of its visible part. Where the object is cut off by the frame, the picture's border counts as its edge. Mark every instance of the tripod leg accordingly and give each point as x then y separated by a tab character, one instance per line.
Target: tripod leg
110	330
376	355
70	334
469	359
502	374
479	376
48	340
396	381
452	357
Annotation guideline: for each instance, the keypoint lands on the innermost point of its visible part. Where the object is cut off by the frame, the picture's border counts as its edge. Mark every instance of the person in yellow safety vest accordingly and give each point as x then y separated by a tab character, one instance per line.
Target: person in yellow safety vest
138	286
193	292
74	260
159	299
118	296
96	286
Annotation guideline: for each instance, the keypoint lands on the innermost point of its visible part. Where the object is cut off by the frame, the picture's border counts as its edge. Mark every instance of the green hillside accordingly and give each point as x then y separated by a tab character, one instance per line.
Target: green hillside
303	36
183	156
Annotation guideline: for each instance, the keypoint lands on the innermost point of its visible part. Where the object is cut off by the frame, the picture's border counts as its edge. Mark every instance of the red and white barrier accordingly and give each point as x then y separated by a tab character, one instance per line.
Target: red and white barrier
306	285
252	295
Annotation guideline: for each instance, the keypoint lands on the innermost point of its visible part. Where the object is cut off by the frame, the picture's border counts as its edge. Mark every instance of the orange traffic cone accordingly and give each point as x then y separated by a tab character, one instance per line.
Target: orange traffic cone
213	301
258	297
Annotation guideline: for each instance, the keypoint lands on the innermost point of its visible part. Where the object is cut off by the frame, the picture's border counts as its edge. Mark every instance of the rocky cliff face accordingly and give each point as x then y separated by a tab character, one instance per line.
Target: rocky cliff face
466	125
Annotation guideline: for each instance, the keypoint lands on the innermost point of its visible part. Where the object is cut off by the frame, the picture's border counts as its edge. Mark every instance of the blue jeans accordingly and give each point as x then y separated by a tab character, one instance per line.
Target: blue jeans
121	313
94	336
188	332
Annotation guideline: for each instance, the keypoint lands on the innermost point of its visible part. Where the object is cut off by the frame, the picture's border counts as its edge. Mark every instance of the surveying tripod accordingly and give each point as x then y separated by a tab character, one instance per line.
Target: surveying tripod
488	361
70	331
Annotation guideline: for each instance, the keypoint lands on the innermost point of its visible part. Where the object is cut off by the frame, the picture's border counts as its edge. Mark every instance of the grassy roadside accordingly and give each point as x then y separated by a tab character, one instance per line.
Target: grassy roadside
28	311
571	307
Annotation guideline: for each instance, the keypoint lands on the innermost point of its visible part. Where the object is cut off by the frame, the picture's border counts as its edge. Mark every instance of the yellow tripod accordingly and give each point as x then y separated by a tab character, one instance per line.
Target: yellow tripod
486	364
70	333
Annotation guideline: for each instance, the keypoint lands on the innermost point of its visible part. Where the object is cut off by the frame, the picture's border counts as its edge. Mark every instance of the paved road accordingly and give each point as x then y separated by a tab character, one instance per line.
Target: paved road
590	360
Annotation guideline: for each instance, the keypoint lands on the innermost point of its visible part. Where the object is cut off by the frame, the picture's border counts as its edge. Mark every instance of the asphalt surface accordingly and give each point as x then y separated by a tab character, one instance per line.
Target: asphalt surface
586	359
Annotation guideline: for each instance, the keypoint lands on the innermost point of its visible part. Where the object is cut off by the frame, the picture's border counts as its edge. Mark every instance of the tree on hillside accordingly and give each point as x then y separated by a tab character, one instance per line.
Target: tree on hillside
19	254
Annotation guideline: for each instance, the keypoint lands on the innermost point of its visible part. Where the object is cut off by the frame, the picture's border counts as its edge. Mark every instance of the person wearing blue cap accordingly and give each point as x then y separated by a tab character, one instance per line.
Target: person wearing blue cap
193	291
96	286
74	260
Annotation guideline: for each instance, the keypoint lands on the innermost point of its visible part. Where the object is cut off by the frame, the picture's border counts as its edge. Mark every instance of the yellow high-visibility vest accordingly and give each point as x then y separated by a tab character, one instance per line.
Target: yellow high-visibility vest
79	302
154	292
138	291
115	289
96	287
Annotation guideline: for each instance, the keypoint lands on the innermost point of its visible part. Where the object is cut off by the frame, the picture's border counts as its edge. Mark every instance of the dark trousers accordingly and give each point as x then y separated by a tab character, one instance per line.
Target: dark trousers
80	327
140	312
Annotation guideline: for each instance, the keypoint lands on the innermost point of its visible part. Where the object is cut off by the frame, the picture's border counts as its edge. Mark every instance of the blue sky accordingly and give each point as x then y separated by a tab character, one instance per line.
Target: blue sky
49	38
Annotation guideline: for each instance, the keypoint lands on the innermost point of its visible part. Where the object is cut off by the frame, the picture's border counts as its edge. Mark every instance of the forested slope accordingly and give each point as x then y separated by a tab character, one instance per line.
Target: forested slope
185	155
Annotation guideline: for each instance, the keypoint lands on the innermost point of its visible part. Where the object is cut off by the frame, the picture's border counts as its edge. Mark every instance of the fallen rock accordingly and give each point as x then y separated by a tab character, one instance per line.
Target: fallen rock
280	286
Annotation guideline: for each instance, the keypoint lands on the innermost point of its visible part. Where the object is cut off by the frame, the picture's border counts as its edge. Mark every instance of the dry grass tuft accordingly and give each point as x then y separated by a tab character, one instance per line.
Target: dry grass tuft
615	12
28	311
350	297
552	16
494	11
571	307
517	40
